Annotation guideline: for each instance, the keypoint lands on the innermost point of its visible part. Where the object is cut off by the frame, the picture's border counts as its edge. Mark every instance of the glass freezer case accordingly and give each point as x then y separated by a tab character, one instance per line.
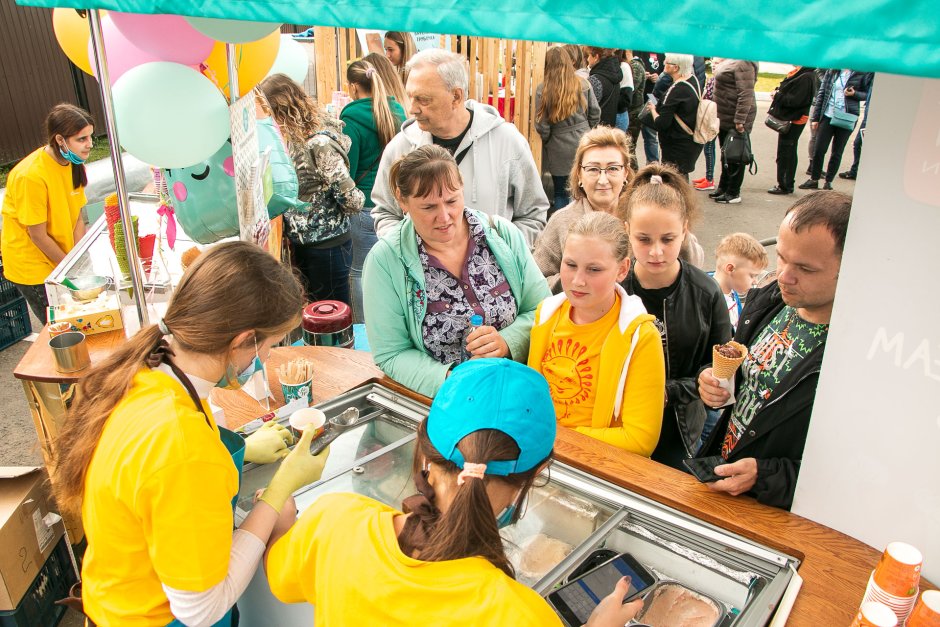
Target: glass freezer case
569	515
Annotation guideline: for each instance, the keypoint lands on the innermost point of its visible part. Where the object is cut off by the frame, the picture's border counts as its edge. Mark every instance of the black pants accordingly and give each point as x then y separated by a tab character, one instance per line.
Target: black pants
857	150
826	133
787	156
732	175
35	296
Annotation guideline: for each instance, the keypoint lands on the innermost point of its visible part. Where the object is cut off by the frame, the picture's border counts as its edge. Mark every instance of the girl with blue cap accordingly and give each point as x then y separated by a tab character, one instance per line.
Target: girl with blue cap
490	432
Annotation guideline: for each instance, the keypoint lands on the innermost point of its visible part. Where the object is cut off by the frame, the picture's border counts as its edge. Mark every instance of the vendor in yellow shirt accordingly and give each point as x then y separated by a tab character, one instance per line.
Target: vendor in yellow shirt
489	433
43	202
153	475
597	346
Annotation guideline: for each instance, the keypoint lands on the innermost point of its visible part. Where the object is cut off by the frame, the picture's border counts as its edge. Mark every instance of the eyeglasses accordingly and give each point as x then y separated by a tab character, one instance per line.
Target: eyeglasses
593	172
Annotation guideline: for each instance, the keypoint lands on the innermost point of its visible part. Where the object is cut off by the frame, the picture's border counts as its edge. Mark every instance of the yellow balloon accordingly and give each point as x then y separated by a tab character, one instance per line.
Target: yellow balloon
71	31
254	59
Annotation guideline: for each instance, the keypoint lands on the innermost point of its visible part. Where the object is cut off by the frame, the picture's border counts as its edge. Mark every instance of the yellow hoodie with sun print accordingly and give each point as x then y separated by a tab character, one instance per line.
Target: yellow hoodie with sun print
631	375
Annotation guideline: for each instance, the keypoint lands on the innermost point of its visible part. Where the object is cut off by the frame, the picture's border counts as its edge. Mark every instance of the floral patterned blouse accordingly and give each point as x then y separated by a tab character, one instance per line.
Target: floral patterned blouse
480	289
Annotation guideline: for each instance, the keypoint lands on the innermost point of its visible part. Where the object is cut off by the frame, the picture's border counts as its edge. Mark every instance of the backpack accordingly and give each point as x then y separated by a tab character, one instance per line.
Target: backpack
706	118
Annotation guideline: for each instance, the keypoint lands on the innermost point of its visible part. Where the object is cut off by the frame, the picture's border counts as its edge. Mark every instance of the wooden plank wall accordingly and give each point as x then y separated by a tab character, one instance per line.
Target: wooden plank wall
34	75
486	59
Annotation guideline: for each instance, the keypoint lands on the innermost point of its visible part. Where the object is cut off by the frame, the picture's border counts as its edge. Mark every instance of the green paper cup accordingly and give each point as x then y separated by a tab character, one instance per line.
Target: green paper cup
298	390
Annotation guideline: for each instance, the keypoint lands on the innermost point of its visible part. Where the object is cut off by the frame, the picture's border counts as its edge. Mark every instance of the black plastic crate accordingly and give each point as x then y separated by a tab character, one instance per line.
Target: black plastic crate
37	608
14	322
8	291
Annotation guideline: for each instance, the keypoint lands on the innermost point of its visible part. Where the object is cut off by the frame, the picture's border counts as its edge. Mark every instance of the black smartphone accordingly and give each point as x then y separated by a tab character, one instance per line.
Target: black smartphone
704	467
575	600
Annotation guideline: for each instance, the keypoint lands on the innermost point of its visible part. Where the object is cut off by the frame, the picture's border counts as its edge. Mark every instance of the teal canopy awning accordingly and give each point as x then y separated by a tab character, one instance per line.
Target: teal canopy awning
898	36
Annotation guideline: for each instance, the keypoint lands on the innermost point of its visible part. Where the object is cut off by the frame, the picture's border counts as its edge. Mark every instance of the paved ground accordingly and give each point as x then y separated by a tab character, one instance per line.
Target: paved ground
758	214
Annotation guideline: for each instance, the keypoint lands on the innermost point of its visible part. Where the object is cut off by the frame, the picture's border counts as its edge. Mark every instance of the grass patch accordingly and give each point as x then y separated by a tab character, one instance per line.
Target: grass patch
101	150
768	82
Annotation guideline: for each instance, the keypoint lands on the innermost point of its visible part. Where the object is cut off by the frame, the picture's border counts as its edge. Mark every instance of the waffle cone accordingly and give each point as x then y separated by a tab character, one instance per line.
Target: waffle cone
725	367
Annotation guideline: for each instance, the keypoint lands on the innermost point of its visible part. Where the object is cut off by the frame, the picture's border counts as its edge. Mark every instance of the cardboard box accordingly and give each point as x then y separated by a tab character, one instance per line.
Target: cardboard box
98	316
25	538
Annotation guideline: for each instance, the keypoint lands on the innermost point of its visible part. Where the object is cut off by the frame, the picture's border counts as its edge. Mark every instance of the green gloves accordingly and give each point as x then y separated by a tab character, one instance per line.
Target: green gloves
298	469
268	444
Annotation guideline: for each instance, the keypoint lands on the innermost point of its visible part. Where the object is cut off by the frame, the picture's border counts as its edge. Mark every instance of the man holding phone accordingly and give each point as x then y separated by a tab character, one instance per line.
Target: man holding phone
785	326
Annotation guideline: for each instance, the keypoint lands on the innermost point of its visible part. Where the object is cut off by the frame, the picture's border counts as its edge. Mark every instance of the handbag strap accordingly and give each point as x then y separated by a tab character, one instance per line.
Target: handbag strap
367	170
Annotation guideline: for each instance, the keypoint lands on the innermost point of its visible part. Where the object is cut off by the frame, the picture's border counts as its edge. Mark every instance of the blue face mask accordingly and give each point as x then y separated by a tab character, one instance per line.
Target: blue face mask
232	381
70	156
505	517
508	515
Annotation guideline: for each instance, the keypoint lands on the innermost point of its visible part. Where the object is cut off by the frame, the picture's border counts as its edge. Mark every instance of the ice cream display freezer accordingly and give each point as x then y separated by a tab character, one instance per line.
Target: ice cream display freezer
570	513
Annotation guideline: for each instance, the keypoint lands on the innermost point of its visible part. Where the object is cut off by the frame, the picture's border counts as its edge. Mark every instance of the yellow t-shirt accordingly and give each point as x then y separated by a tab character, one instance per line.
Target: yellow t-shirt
157	505
571	365
38	190
343	557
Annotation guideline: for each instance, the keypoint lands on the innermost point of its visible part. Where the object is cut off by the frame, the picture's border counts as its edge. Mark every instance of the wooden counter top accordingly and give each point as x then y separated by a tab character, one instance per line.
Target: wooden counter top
38	364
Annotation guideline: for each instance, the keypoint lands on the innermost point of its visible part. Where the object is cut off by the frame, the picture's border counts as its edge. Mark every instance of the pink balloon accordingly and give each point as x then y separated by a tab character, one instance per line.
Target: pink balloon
122	54
169	37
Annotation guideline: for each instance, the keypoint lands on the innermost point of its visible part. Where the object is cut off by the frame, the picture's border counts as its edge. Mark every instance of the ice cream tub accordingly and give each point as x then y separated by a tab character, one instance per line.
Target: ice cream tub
672	604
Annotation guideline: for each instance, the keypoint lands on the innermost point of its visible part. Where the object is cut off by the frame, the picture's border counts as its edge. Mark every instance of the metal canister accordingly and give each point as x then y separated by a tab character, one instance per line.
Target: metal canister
328	323
70	351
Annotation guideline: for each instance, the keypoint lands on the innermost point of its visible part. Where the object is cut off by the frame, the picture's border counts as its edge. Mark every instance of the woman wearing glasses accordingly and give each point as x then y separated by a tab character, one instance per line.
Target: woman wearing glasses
426	280
599	174
674	119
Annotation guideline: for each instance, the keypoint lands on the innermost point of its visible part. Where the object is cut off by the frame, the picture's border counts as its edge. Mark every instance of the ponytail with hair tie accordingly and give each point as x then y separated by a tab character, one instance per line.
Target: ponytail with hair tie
656	180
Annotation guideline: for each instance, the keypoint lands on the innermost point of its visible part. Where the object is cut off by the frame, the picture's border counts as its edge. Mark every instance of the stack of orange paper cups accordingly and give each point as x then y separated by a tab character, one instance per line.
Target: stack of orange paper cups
926	611
896	579
874	614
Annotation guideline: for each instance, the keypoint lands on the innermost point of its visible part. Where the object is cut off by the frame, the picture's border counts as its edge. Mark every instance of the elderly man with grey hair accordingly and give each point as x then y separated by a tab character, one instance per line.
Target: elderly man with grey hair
495	160
675	117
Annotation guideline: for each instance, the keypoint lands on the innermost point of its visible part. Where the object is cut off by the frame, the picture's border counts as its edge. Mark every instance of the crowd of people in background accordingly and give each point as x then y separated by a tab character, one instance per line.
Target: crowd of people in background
425	210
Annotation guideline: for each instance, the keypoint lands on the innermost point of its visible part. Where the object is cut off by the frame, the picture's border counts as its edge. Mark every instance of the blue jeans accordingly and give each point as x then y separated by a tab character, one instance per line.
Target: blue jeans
363	239
711	419
623	121
650	143
325	271
562	197
710	160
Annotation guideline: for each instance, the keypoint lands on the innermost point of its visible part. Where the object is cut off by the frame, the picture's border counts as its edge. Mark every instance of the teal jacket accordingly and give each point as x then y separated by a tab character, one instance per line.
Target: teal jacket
395	304
365	151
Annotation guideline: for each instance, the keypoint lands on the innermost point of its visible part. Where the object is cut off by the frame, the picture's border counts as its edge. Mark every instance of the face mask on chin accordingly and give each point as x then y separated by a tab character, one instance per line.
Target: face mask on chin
70	156
508	515
234	381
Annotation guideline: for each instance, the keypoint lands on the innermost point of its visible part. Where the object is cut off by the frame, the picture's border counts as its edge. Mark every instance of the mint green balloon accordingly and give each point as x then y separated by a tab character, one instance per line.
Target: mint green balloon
291	60
232	31
169	115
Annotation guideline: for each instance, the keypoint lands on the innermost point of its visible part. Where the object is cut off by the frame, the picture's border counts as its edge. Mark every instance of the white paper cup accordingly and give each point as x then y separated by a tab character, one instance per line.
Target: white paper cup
309	418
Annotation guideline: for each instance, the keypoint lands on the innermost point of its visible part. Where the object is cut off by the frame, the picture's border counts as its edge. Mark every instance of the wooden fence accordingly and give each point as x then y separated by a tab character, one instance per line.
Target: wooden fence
486	59
34	76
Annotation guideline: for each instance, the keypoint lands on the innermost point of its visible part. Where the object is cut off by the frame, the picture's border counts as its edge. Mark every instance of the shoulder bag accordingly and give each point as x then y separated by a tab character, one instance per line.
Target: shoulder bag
775	123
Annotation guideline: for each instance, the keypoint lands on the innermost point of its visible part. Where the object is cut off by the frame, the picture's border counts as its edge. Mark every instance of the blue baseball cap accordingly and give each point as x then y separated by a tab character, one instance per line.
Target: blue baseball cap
495	394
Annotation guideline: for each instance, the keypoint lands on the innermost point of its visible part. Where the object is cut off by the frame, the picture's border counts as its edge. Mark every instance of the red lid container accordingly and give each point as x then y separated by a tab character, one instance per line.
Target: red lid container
327	316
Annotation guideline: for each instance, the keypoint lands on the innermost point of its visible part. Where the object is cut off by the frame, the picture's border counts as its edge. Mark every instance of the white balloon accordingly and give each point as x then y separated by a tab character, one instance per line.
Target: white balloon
291	60
232	31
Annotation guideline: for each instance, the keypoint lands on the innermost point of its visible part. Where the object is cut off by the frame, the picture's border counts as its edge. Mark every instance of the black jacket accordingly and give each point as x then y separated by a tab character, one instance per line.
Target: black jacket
861	81
678	146
695	319
608	72
794	95
777	433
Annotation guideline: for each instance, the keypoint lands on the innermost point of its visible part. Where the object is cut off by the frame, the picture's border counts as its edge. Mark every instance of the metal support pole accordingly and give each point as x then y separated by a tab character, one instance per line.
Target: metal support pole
232	73
130	243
